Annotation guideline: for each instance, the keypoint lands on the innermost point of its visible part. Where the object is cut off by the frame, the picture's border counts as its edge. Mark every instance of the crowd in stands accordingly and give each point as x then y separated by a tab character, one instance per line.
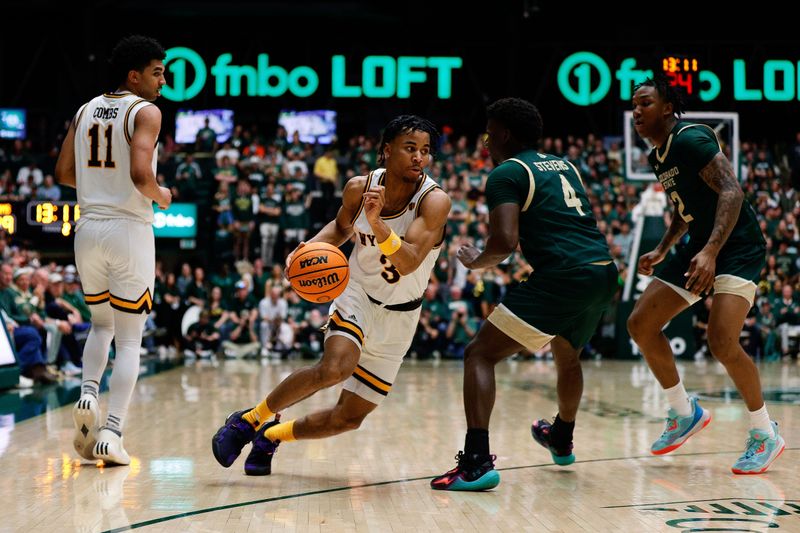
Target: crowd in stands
259	195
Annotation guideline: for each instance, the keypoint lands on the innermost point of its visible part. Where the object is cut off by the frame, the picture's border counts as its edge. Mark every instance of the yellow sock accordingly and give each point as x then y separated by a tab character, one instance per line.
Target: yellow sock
259	415
283	432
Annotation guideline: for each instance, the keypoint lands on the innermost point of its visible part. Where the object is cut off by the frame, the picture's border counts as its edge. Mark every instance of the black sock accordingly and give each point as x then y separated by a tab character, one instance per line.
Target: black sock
561	433
477	442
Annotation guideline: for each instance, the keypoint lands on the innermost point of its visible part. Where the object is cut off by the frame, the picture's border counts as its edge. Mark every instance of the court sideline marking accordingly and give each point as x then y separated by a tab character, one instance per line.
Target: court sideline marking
382	483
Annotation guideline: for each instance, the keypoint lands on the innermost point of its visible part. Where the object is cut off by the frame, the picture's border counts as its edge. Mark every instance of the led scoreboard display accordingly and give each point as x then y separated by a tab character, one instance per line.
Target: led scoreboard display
682	72
54	217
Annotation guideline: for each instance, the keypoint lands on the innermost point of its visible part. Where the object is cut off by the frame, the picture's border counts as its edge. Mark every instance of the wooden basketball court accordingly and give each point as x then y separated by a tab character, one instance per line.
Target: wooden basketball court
376	479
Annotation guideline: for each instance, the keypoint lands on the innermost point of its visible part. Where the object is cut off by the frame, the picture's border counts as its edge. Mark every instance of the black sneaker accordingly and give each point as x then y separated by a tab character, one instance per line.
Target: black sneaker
562	455
228	441
474	472
259	461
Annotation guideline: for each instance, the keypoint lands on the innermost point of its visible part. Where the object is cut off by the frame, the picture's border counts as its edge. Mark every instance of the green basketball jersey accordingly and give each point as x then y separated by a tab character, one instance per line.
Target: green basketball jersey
557	230
689	148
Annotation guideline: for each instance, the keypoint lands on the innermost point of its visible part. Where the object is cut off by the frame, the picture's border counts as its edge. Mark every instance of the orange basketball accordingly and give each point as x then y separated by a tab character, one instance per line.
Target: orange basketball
319	272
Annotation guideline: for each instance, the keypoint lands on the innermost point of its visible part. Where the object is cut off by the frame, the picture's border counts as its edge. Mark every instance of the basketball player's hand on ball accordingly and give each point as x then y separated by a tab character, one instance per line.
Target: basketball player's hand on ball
467	254
289	259
374	200
166	198
649	260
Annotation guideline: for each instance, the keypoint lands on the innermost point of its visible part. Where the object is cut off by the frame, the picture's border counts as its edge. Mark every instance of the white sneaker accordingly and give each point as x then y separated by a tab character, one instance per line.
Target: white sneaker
86	415
109	448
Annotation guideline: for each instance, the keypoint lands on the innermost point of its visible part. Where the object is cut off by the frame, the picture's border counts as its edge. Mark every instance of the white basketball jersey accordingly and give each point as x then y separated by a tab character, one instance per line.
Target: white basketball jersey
103	133
373	270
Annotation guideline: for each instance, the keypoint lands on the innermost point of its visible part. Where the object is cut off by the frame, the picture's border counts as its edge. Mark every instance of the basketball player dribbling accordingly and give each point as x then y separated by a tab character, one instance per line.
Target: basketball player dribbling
108	155
397	215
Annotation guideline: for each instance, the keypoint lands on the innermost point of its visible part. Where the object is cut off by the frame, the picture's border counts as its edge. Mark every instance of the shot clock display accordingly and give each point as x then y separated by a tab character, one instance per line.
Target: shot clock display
682	71
54	217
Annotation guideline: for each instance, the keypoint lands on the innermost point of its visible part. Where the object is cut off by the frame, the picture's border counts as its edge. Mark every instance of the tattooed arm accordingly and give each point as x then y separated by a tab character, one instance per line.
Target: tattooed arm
718	174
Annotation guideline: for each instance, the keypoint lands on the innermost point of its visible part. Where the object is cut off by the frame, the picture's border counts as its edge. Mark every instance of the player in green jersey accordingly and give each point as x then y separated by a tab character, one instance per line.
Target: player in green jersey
538	201
724	253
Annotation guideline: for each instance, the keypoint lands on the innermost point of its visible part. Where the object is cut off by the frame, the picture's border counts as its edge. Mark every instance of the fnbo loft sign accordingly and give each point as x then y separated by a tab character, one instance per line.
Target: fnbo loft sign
381	76
585	78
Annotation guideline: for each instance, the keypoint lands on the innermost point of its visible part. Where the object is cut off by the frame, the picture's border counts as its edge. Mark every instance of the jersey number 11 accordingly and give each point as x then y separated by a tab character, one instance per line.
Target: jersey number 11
94	147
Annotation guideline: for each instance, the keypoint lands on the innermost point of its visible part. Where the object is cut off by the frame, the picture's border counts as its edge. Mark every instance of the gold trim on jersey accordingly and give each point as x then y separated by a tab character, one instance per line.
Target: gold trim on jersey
372	381
361	205
713	131
127	114
532	181
144	304
578	174
422	197
80	114
662	157
112	95
339	323
94	299
402	211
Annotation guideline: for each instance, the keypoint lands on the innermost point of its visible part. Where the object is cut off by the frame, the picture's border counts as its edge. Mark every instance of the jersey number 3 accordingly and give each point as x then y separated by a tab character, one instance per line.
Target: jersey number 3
570	197
94	147
390	273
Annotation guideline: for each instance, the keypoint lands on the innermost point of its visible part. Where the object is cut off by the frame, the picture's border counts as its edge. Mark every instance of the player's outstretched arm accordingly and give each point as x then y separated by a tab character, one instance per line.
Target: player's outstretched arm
146	125
503	239
65	166
423	234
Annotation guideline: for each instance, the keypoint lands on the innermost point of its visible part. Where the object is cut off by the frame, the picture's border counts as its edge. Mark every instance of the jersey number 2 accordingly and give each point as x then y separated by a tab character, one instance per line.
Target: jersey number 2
94	147
570	198
678	202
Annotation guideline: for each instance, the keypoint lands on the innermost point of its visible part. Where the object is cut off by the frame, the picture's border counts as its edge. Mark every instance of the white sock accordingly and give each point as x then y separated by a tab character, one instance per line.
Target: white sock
760	420
678	399
128	338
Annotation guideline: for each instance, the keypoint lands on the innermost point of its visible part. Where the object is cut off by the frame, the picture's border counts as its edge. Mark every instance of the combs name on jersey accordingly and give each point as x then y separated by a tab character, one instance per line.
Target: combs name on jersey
105	113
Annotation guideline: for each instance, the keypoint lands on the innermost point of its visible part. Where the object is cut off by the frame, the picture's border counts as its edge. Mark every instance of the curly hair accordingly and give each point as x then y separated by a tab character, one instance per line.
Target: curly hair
520	117
407	124
134	53
668	92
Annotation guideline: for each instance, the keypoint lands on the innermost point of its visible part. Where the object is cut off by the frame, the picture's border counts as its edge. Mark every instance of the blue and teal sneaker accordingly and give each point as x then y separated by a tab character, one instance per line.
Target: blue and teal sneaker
760	451
474	473
680	428
541	432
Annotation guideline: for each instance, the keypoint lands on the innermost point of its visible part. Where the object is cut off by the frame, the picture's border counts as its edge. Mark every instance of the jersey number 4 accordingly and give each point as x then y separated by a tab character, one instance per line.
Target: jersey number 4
570	197
94	147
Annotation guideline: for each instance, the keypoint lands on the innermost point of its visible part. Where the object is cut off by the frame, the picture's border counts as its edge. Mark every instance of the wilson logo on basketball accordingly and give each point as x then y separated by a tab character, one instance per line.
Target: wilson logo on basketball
311	261
322	281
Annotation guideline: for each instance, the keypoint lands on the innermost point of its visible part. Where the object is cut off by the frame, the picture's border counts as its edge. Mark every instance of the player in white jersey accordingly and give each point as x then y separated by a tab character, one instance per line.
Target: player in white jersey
397	215
108	155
